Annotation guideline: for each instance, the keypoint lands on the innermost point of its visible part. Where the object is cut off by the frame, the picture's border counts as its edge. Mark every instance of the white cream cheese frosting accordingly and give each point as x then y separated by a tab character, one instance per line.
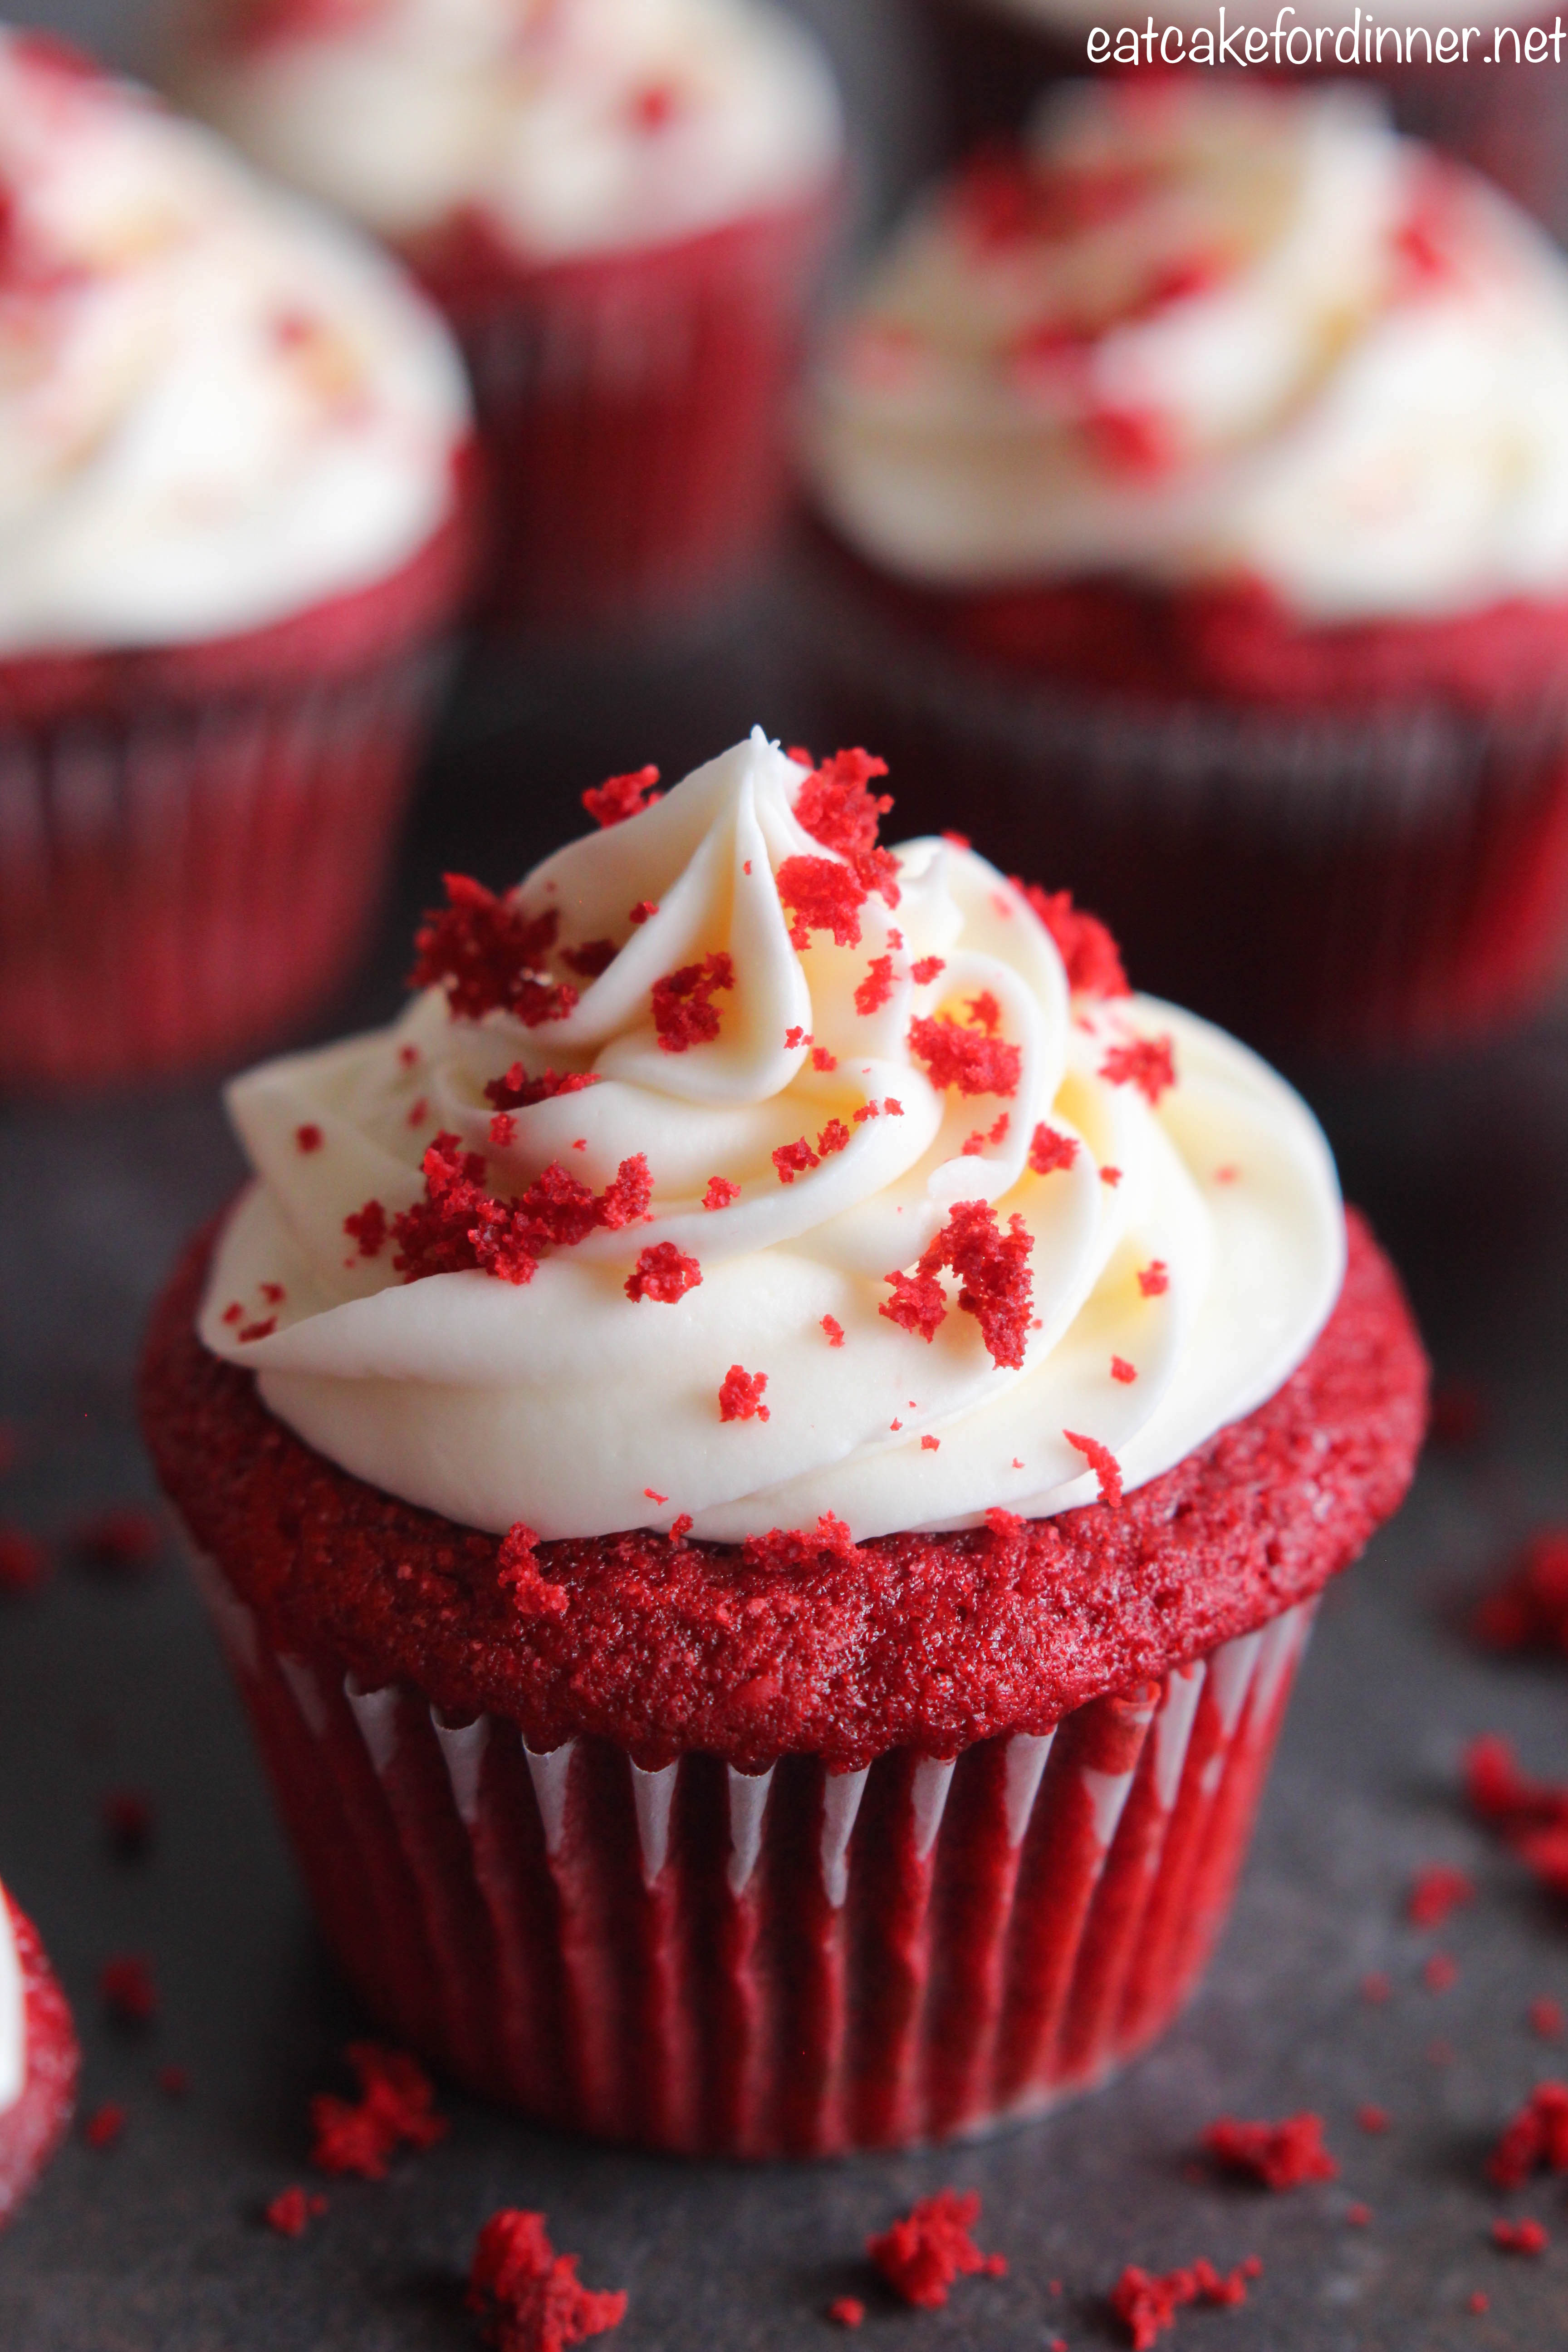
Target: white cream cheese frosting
1177	1210
13	2013
217	407
569	126
1204	334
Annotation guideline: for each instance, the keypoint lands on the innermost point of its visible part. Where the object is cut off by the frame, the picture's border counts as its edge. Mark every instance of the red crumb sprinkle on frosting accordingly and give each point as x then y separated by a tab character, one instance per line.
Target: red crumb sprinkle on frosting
1534	2140
684	1013
835	1330
1109	1175
1049	1151
517	1091
837	807
922	2254
1147	1062
1120	1369
128	1991
529	2298
1154	1279
1524	2237
970	1060
292	2210
740	1395
1147	2301
926	968
489	955
664	1273
930	1444
720	1192
876	987
1091	956
620	797
459	1227
1277	2155
1103	1462
996	1285
396	2108
309	1138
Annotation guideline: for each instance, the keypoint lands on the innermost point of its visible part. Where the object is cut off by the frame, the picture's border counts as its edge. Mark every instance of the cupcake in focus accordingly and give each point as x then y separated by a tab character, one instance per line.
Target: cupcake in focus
620	205
1194	492
1481	93
233	533
763	1458
39	2059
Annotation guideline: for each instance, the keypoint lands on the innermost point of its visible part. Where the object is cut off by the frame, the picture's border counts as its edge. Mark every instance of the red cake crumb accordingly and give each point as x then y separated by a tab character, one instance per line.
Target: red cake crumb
24	1561
966	1058
367	1228
592	960
837	807
1154	1279
1547	2022
1372	2120
291	2210
1358	2217
684	1013
488	955
796	1037
420	1112
1531	1815
127	1535
503	1131
517	1091
1530	1609
720	1192
1441	1972
835	1330
643	912
620	797
518	1573
931	1445
1092	958
1277	2156
923	2254
835	1137
458	1226
664	1273
1147	1062
529	2298
104	2126
1524	2237
175	2082
873	990
847	2311
997	1287
1120	1369
127	1989
818	894
309	1138
396	2108
789	1549
1535	2140
127	1818
251	1332
1109	1175
1438	1891
1104	1464
821	1059
926	970
1147	2301
740	1395
793	1160
1049	1151
653	1497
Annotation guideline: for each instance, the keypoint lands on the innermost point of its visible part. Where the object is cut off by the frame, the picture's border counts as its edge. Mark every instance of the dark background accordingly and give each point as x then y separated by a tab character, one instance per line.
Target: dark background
107	1682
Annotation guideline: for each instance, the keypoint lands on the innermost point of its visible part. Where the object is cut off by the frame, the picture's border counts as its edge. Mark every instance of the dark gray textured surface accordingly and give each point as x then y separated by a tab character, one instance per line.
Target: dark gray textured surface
157	2246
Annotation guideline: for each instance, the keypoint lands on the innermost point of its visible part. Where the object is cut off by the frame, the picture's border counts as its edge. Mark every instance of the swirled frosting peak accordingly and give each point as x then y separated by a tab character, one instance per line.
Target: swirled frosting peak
1195	334
734	1170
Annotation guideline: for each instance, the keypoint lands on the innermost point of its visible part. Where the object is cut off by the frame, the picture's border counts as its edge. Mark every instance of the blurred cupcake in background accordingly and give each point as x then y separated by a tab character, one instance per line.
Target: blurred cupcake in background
39	2059
1194	497
620	204
1492	95
234	450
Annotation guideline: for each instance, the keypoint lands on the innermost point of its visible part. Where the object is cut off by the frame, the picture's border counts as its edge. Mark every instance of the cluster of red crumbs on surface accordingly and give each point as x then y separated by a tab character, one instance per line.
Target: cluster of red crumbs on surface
1277	2156
922	2254
1091	956
517	1091
663	1272
128	1991
740	1395
1049	1151
969	1057
1528	1610
292	2210
1147	2301
459	1228
1535	2140
489	953
620	797
1103	1462
684	1013
1438	1891
1525	2237
1531	1816
396	2108
529	2298
1147	1062
996	1285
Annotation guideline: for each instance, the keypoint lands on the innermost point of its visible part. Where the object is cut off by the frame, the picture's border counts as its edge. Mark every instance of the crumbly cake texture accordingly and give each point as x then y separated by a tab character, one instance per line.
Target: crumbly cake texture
32	2129
797	1642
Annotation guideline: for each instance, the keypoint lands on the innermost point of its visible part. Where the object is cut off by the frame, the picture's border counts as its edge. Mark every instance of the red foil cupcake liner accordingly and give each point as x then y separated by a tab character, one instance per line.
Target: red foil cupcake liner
1508	120
1323	882
194	843
791	1963
631	407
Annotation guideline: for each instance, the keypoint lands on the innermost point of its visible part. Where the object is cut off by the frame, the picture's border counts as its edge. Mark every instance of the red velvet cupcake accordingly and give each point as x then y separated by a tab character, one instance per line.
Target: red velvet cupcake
764	1460
1194	515
37	2059
233	525
620	205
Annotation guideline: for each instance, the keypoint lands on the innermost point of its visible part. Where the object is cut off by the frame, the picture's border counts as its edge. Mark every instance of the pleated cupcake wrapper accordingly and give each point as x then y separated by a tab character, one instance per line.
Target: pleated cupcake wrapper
793	1962
1334	883
1509	122
183	882
632	414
